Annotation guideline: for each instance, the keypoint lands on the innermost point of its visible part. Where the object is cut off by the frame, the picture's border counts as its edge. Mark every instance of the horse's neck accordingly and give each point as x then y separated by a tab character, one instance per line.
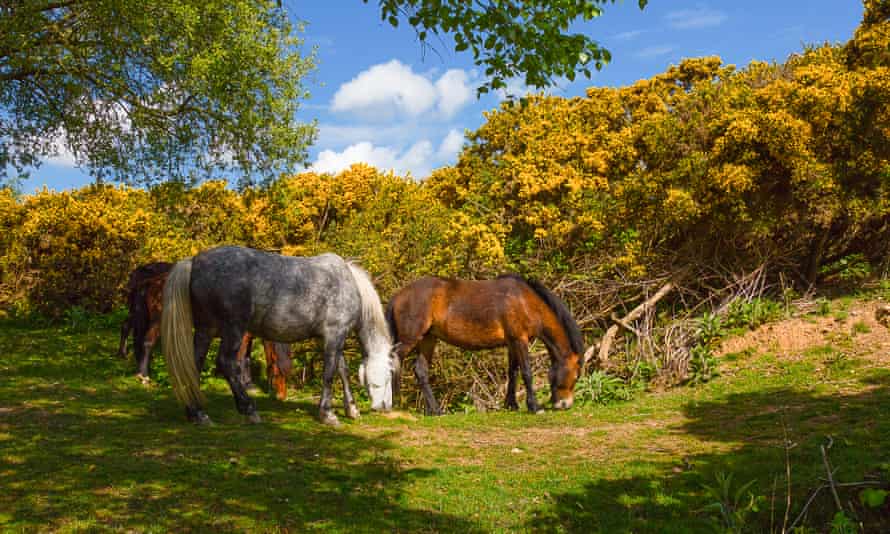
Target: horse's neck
556	338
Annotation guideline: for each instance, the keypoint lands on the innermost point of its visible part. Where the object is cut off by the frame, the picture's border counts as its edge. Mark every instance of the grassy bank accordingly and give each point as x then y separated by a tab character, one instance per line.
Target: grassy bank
85	446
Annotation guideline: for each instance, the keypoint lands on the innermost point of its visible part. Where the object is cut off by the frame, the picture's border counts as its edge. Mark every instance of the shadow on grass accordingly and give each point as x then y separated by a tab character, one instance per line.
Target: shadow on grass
668	496
82	448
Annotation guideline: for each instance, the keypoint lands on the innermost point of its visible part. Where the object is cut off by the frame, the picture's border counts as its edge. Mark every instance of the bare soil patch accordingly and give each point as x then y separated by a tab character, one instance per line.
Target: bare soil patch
856	330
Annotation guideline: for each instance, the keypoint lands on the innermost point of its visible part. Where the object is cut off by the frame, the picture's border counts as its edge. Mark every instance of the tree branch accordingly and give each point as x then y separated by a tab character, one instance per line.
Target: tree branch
635	314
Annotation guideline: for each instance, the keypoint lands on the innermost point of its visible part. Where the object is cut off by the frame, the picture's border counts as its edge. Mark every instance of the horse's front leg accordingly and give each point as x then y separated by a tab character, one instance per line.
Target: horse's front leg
422	372
227	361
348	402
520	348
333	350
274	372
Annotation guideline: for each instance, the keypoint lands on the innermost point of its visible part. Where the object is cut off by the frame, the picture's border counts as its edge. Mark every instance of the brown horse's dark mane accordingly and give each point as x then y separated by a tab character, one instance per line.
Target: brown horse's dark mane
573	332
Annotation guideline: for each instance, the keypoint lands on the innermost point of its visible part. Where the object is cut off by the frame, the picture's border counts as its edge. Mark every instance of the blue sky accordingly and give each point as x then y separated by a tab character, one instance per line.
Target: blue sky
379	98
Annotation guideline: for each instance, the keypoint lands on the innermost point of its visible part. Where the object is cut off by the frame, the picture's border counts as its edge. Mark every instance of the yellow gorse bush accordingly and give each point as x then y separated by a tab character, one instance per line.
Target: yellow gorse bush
702	164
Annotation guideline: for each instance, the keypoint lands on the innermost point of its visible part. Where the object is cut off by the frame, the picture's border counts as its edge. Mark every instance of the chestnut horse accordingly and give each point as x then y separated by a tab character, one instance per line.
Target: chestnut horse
145	297
484	314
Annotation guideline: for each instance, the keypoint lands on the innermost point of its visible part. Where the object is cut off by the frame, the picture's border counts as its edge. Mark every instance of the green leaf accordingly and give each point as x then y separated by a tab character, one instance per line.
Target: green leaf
873	498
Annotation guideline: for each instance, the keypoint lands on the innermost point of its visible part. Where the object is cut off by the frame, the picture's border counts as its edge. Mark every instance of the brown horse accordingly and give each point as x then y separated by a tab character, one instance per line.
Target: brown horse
138	278
483	314
145	299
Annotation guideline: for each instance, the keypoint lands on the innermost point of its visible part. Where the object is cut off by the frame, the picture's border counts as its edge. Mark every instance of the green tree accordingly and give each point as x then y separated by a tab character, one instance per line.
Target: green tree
510	38
142	91
149	90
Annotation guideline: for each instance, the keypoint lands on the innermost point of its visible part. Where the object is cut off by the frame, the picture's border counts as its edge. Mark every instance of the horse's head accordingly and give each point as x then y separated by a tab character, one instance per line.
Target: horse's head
563	375
375	374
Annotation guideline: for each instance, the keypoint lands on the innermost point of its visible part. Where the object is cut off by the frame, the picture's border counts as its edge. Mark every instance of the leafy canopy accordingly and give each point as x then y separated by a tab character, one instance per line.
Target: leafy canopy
509	38
149	90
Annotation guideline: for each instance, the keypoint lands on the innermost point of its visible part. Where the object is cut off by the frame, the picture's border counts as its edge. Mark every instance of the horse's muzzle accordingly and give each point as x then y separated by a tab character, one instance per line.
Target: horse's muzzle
382	407
563	404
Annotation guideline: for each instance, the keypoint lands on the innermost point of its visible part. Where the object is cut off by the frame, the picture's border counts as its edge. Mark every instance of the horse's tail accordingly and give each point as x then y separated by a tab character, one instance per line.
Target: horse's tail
178	337
373	331
573	332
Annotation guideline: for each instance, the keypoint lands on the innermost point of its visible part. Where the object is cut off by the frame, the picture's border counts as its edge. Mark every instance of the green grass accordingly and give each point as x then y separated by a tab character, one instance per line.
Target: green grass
85	446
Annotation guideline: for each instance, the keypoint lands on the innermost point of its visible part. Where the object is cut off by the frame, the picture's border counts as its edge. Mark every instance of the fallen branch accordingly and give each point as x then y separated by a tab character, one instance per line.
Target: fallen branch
837	500
634	314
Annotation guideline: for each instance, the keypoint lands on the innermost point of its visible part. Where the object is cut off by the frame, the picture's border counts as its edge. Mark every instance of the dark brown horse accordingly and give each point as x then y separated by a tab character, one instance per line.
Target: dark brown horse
145	299
135	297
484	314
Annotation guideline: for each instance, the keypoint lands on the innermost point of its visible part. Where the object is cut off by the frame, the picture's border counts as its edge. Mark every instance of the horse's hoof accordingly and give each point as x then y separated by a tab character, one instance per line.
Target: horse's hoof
352	412
254	418
202	419
538	411
144	379
328	418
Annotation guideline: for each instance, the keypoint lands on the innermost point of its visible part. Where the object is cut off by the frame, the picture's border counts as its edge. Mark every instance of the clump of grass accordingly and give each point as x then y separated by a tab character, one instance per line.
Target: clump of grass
752	313
823	306
603	389
860	327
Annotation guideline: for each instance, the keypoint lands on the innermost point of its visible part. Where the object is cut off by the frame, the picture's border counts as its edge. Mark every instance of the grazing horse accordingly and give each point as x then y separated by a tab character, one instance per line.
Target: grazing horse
145	305
138	277
227	291
484	314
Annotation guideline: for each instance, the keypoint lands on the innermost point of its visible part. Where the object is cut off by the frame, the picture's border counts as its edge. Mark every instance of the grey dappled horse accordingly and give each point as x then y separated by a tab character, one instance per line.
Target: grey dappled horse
226	291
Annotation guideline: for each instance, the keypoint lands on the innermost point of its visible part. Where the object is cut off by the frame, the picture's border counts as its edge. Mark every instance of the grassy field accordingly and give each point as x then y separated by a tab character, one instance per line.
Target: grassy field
85	446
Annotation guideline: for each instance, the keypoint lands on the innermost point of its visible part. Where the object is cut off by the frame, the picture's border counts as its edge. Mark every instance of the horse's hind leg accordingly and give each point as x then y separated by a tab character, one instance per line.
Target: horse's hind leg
513	371
244	354
140	341
227	360
147	346
421	371
348	402
520	348
125	333
201	346
333	351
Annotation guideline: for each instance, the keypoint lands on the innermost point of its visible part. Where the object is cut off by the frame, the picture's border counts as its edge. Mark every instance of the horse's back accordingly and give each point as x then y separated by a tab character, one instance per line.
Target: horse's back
145	272
467	313
283	298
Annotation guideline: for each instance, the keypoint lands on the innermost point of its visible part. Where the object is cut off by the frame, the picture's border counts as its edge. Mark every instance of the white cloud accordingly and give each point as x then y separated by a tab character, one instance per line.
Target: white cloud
654	51
701	17
415	160
418	159
393	88
454	92
451	146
